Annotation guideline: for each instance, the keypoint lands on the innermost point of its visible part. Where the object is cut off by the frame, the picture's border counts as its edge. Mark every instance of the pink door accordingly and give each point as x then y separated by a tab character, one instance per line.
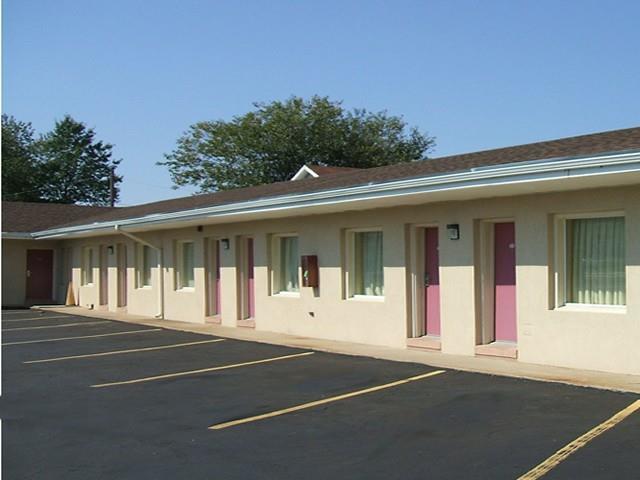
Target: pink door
505	281
216	246
250	282
431	282
39	275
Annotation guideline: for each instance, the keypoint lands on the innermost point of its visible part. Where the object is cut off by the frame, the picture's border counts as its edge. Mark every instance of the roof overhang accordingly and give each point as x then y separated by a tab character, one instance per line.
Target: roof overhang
492	181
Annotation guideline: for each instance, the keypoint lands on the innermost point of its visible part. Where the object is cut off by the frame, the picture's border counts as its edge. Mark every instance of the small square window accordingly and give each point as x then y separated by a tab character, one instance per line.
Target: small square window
145	260
365	263
285	264
185	275
592	261
88	265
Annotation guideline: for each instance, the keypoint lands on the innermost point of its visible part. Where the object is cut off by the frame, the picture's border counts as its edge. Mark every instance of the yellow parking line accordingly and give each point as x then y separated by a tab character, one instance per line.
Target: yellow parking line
562	454
303	406
32	318
51	326
118	352
82	337
202	370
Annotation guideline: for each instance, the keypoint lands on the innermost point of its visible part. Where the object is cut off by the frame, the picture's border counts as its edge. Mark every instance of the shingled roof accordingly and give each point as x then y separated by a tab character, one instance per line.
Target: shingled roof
29	217
580	146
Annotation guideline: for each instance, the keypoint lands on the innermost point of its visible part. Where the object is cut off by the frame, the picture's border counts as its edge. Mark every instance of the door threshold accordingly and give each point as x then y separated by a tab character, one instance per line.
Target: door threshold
428	342
246	323
498	349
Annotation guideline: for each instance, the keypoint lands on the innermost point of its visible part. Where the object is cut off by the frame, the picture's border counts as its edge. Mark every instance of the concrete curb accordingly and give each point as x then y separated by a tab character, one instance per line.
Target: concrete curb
485	365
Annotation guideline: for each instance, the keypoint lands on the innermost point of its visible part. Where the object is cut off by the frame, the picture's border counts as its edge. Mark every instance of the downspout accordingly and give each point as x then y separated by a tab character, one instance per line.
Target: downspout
135	238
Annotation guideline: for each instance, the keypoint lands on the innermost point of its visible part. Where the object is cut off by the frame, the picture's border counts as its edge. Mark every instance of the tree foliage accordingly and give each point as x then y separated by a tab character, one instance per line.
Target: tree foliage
76	167
273	141
65	165
19	161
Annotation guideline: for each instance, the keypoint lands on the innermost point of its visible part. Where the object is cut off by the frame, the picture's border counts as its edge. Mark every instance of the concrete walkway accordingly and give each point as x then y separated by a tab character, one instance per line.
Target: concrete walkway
489	365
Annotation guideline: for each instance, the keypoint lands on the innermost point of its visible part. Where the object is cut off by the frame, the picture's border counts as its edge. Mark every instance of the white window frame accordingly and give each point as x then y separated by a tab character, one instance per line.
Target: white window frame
88	266
140	249
276	242
179	265
560	276
349	271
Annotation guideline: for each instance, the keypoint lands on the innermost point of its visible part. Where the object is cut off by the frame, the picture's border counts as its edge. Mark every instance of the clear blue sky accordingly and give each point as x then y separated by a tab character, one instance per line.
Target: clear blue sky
475	74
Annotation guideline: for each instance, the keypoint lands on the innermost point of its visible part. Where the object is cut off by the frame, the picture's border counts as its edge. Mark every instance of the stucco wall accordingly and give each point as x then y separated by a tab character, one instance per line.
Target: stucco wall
591	339
14	268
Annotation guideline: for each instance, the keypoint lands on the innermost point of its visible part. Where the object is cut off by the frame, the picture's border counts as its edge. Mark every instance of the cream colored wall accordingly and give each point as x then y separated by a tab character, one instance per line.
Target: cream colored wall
587	339
14	268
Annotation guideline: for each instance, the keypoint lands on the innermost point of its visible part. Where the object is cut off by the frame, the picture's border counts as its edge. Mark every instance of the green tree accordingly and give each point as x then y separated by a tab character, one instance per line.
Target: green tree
75	168
273	141
19	162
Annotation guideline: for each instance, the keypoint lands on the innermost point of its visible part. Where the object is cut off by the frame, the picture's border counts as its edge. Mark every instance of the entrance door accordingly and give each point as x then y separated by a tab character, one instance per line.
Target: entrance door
39	275
213	278
505	282
250	280
122	275
431	282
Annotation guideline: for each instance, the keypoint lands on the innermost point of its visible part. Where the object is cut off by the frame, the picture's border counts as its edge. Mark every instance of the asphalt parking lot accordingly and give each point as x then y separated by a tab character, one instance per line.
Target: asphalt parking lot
84	398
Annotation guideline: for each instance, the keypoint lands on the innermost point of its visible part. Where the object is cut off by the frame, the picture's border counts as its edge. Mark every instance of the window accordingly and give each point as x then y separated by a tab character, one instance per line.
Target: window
286	264
145	260
88	264
186	264
593	268
365	270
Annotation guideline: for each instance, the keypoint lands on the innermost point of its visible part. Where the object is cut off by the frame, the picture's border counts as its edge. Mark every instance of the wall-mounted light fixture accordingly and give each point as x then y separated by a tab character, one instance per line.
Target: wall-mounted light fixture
225	243
199	228
110	249
453	231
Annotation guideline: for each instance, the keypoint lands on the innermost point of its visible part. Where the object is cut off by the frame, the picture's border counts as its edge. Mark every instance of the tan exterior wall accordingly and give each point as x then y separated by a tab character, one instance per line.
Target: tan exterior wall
590	339
14	268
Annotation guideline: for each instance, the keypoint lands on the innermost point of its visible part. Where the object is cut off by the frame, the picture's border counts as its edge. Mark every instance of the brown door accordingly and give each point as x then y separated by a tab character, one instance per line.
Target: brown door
40	275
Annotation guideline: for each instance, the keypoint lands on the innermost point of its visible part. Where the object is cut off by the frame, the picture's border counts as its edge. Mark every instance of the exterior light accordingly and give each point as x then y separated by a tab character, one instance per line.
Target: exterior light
453	231
225	243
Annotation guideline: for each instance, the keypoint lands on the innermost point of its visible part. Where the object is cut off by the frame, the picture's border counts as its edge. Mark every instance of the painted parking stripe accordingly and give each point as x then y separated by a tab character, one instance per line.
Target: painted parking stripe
120	352
324	401
4	320
569	449
202	370
148	330
53	326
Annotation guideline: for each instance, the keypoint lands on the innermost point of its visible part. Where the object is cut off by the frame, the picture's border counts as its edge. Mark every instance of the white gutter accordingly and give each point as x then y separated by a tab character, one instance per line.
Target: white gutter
158	250
514	173
17	236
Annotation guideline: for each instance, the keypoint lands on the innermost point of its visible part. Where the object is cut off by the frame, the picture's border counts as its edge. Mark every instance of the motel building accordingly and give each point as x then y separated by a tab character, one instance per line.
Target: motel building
530	252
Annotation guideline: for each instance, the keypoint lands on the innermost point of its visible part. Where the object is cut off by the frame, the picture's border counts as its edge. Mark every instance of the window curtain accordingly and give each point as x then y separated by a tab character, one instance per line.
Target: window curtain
596	261
187	265
289	263
146	265
369	279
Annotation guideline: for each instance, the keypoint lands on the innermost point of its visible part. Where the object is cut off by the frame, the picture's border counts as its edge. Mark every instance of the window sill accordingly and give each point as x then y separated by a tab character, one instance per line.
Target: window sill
287	294
144	287
366	298
592	308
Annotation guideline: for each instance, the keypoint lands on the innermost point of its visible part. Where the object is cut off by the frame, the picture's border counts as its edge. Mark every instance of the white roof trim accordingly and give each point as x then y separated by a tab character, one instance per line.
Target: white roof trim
17	235
303	173
505	174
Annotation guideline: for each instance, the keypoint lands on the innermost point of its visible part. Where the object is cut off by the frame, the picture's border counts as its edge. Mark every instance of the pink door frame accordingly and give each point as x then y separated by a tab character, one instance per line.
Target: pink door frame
432	282
216	246
505	282
251	309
